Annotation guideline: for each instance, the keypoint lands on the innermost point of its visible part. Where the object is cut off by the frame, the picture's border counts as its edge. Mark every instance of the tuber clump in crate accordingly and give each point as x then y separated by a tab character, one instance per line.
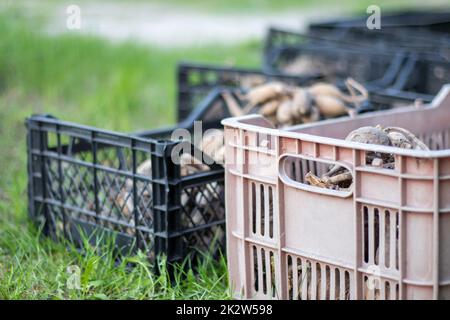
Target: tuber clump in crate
285	104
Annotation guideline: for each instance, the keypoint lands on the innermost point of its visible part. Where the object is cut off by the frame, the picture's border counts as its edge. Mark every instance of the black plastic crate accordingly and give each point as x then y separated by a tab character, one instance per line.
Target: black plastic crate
383	39
336	63
416	31
195	81
409	40
82	179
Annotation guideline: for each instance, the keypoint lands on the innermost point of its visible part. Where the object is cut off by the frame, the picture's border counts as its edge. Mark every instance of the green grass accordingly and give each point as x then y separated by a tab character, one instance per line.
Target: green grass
271	6
121	87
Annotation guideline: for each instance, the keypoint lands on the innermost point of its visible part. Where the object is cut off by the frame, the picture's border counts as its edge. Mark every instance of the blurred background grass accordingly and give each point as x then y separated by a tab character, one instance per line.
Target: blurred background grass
118	86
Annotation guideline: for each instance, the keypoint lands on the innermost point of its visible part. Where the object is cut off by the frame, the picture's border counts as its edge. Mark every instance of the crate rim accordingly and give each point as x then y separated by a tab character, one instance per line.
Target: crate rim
238	123
391	14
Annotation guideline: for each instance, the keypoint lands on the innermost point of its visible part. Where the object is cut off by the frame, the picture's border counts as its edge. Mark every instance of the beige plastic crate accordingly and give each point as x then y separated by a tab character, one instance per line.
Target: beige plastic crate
388	237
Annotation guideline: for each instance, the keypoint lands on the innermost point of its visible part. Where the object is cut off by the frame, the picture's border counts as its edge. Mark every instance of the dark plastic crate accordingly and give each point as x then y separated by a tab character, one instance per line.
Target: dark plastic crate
85	179
213	108
195	81
408	40
277	39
